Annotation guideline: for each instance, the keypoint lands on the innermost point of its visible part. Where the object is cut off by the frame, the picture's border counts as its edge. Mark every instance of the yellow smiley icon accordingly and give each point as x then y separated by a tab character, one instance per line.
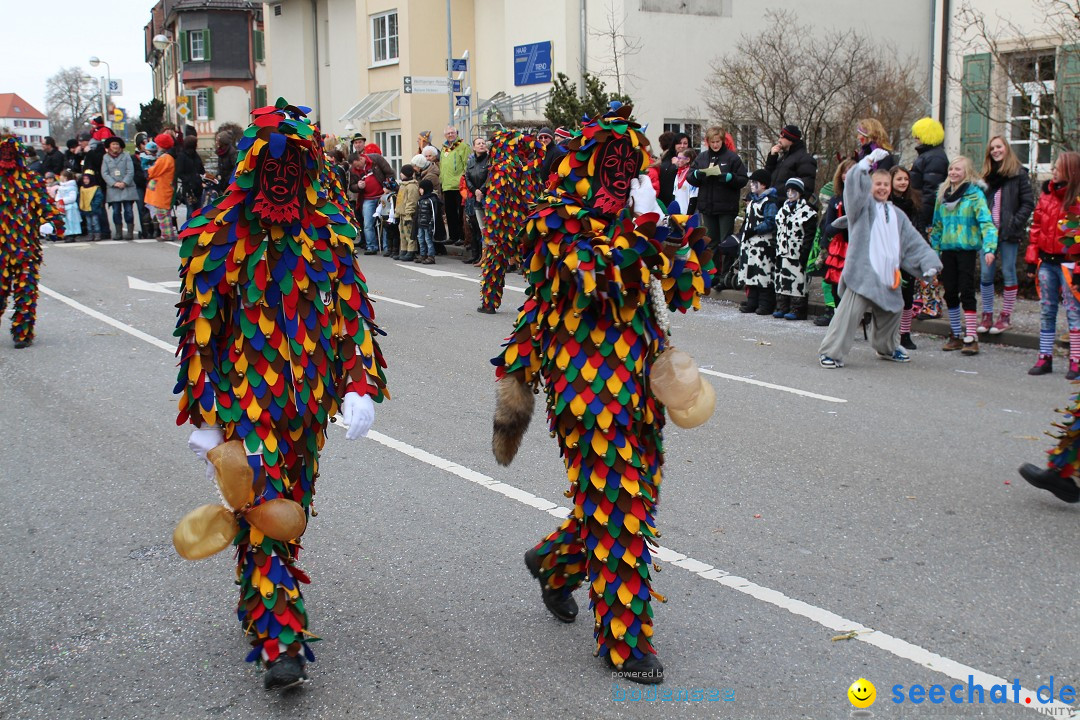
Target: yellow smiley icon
862	693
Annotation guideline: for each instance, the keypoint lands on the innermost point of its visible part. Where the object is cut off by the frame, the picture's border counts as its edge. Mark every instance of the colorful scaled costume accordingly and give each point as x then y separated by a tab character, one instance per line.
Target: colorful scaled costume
275	329
513	184
24	207
1062	471
589	332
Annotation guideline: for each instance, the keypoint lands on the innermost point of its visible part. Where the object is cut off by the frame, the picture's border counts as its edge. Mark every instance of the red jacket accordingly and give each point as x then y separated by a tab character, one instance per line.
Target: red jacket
1045	234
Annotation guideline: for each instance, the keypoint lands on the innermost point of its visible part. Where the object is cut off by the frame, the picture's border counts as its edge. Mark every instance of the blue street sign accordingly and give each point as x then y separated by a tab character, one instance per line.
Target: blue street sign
532	63
462	101
457	86
459	65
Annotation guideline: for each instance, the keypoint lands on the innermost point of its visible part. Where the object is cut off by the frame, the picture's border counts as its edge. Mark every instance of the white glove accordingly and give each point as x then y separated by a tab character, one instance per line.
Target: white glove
930	274
358	414
878	155
644	196
47	229
203	440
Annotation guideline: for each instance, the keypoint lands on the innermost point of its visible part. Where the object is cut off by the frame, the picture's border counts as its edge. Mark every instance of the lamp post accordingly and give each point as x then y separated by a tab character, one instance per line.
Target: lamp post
162	41
94	62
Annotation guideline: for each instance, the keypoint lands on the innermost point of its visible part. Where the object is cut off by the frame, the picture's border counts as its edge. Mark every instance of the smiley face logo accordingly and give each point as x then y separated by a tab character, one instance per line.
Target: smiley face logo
862	693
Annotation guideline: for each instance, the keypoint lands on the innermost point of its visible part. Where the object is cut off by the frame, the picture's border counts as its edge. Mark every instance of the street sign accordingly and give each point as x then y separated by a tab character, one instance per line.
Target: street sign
462	101
459	65
532	63
182	108
116	86
117	115
431	85
457	86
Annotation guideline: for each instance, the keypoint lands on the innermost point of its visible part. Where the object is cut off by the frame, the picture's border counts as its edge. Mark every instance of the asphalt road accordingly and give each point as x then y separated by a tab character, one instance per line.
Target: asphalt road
879	497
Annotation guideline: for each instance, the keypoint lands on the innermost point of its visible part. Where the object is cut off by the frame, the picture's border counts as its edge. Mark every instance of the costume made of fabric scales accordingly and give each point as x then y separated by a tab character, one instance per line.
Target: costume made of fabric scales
588	333
24	207
275	326
513	185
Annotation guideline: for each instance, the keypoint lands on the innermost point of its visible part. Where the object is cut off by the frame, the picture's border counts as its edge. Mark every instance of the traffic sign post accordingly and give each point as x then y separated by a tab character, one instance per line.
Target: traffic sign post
426	84
462	101
459	65
116	86
182	107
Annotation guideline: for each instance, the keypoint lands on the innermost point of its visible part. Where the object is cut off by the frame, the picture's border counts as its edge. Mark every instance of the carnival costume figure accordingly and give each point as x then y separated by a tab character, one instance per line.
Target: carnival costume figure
276	334
513	185
1061	473
600	285
26	210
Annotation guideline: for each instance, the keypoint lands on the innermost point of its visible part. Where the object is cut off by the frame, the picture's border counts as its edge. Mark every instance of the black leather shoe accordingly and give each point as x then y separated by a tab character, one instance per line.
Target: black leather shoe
371	252
559	603
1047	479
470	260
646	670
20	344
284	673
485	310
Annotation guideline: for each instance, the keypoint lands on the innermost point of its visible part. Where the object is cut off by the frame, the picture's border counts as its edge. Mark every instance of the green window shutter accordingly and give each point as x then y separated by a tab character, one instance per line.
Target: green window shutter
206	45
185	49
209	103
260	96
260	49
1068	95
975	105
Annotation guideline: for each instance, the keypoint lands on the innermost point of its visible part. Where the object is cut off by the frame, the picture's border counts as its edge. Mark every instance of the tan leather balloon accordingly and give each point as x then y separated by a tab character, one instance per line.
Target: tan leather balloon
204	531
674	379
234	475
700	411
280	518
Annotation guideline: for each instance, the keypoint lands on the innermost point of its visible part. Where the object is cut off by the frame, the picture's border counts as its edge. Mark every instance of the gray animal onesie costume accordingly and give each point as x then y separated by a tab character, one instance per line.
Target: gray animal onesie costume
863	287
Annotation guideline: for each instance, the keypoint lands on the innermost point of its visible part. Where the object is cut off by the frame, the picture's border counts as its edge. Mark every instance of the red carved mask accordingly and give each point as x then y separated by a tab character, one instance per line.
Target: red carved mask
279	185
9	156
618	165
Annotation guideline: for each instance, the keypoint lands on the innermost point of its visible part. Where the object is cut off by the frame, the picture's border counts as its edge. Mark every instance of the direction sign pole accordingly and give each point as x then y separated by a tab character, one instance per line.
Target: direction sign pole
449	72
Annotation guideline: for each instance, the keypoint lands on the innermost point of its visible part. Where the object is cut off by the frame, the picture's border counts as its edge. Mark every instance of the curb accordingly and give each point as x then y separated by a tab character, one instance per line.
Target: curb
935	326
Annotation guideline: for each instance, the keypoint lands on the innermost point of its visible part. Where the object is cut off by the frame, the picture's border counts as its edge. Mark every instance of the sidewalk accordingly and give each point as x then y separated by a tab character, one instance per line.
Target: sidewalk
1024	332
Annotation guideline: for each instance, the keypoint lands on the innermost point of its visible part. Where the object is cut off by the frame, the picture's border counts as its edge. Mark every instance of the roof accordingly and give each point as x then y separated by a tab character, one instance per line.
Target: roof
376	107
184	5
13	106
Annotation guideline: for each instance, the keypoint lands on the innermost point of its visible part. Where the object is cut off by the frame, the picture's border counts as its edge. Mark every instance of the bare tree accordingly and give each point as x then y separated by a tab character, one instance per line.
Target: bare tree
621	46
822	81
70	101
1022	79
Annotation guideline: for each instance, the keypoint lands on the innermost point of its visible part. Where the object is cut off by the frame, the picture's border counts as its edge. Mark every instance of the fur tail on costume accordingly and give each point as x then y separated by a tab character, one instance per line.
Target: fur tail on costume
513	411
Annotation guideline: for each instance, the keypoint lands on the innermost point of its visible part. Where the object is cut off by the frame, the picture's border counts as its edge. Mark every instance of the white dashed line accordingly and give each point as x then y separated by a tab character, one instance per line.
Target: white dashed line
771	386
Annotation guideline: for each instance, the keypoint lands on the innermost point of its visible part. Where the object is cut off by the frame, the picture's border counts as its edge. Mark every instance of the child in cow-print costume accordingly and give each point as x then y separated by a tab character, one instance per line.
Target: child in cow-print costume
796	222
758	247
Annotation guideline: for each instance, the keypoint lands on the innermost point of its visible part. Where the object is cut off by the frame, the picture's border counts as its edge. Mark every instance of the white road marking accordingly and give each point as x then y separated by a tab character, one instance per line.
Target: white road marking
111	242
161	287
771	386
446	273
142	241
384	298
170	347
829	620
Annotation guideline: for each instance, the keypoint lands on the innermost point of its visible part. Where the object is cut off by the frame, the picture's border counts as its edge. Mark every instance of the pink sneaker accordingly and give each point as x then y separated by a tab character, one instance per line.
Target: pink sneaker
1004	322
985	323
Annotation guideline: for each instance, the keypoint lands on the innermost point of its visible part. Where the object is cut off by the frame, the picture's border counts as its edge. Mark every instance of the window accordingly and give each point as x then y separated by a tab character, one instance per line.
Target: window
690	127
195	46
35	123
384	38
20	123
204	104
390	143
1031	109
260	47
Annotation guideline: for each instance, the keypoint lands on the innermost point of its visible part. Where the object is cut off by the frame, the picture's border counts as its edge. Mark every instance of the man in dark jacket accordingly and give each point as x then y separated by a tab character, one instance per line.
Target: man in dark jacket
788	159
720	176
53	159
930	168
